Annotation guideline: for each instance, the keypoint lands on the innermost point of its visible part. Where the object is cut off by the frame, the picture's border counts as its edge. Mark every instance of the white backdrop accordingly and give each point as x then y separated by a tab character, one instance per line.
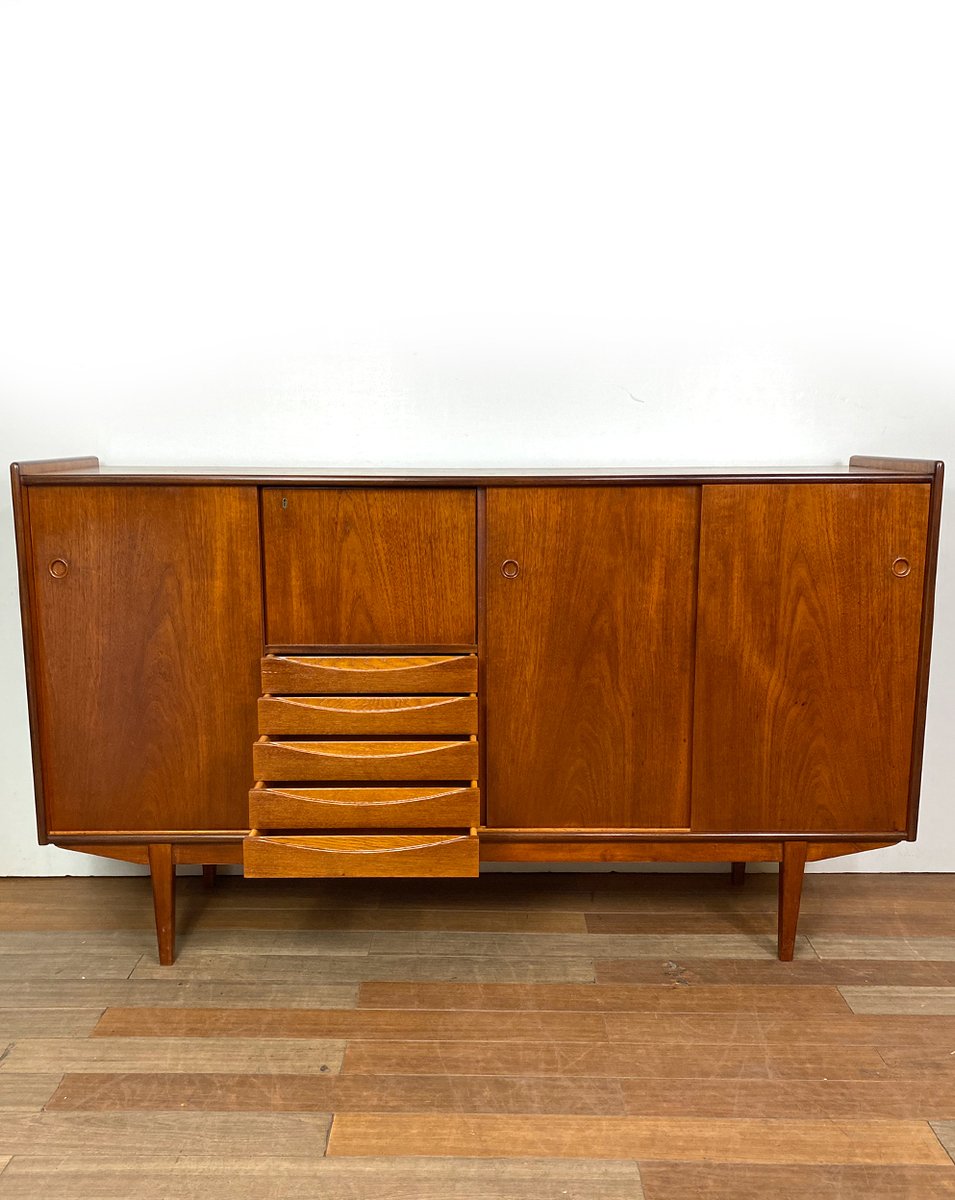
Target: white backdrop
507	234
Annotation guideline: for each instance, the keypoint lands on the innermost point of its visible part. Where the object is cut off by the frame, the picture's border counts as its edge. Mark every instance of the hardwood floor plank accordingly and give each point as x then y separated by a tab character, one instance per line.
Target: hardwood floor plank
861	921
251	1055
832	972
28	1093
922	1001
536	945
207	915
302	967
791	1099
213	1178
223	941
934	949
847	1029
808	1141
78	1134
233	1092
365	1023
658	997
616	1060
945	1131
172	993
739	1181
68	964
47	1022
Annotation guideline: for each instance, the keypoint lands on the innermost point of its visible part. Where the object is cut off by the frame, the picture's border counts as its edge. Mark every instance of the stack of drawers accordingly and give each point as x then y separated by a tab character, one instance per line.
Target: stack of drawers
365	766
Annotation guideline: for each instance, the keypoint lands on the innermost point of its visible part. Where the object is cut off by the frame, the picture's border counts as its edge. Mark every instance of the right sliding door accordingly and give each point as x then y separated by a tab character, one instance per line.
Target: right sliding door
810	600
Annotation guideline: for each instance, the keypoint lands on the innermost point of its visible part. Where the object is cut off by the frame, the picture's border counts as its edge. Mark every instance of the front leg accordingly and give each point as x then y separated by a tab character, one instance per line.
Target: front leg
791	870
162	869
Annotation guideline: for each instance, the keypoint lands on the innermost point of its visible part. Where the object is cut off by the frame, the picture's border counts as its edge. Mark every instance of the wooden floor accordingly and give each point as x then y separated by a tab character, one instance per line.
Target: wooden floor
588	1037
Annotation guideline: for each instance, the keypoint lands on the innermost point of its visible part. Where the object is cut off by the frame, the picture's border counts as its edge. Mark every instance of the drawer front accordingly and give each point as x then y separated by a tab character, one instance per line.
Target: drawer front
303	857
360	715
364	808
391	761
367	675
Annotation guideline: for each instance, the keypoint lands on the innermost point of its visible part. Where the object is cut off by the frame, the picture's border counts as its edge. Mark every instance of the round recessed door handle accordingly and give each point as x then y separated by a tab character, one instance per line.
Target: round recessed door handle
510	568
59	568
901	567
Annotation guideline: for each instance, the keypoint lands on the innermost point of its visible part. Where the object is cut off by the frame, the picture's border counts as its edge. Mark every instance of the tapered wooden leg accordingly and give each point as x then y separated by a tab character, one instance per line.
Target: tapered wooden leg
737	874
209	875
791	871
162	868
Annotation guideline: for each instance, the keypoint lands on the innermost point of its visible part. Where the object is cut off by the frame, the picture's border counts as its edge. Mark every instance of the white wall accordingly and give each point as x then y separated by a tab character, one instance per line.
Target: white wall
493	234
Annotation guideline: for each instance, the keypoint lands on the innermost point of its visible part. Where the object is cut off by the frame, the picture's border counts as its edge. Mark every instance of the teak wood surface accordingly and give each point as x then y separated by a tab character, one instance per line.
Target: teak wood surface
505	1038
376	566
807	656
537	667
147	652
351	807
589	682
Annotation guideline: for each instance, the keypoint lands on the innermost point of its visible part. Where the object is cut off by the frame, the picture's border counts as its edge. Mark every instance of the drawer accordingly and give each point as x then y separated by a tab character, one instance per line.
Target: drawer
390	761
392	855
364	807
368	675
359	715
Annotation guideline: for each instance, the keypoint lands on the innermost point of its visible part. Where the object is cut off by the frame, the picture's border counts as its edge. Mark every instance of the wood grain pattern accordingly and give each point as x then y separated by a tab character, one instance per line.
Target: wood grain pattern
620	1060
318	969
807	656
394	855
303	1178
170	991
360	716
232	1092
366	674
771	1100
369	565
372	761
750	1181
48	1022
726	1086
907	1001
660	997
510	945
818	971
27	1093
67	964
161	596
364	807
426	1025
174	1055
75	1134
25	573
590	656
806	1141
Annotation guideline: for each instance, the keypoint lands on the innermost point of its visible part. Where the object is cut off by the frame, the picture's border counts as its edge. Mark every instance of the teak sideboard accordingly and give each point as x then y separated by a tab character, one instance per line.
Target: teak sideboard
321	673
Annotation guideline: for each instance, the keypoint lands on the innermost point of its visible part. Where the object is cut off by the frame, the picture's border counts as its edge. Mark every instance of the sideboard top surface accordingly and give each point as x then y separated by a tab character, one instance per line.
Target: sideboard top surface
888	470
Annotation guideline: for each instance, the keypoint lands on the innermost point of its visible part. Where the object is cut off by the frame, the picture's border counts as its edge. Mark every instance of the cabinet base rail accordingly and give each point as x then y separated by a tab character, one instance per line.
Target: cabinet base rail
162	858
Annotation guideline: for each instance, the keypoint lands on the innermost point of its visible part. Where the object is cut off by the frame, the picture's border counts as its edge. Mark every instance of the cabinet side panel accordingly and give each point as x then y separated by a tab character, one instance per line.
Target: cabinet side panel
589	677
807	656
369	566
148	635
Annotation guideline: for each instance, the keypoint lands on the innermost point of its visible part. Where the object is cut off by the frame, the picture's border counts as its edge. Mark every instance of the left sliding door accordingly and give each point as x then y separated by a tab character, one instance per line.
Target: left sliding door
148	631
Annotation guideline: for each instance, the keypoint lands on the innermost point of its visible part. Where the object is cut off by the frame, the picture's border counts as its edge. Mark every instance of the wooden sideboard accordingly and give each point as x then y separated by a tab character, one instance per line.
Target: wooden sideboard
320	673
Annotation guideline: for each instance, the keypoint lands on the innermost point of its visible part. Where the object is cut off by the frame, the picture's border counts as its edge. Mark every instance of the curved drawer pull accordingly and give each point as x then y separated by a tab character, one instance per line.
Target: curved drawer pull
364	804
404	704
312	849
349	750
